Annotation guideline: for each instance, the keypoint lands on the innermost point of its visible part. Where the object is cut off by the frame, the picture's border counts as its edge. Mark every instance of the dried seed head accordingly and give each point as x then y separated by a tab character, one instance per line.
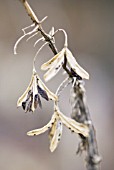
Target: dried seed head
31	99
56	63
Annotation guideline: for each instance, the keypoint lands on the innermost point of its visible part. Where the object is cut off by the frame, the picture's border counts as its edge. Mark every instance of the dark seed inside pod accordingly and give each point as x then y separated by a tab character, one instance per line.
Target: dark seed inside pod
35	101
72	131
59	139
42	93
29	107
59	134
39	102
24	105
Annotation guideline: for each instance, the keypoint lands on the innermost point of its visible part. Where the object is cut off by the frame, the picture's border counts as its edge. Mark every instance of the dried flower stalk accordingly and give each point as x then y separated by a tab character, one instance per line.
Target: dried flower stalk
82	123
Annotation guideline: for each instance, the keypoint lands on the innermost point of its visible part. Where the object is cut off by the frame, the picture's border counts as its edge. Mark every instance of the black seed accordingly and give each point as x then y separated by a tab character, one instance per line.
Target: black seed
42	93
35	101
24	105
69	128
31	96
37	80
58	139
57	67
29	107
39	102
72	131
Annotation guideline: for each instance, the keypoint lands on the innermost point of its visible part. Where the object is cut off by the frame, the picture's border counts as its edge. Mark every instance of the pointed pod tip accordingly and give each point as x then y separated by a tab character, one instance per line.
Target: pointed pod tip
18	104
43	67
30	133
46	78
82	73
52	149
87	76
53	97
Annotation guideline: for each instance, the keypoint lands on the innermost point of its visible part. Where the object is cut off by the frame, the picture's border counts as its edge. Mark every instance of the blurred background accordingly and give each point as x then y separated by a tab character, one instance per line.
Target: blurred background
90	28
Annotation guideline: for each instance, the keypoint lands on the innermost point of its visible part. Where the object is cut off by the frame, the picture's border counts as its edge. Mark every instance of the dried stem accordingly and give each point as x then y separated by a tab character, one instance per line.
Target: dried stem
66	37
61	87
80	113
37	54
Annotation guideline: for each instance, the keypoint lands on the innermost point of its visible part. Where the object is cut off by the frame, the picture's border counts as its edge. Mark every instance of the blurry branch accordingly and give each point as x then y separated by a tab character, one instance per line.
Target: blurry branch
80	111
40	28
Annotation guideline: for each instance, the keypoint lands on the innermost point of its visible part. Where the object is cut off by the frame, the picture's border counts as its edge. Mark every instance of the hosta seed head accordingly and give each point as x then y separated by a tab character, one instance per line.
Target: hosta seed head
31	97
56	126
55	64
